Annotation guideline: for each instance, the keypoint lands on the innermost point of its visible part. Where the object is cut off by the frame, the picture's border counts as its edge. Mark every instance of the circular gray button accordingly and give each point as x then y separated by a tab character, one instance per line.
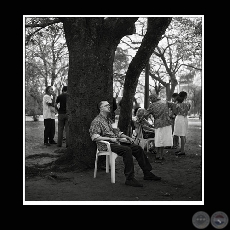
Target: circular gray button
200	220
219	220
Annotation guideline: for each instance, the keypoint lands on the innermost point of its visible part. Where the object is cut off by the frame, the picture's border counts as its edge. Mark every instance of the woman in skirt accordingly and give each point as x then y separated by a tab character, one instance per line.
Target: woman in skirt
181	120
162	124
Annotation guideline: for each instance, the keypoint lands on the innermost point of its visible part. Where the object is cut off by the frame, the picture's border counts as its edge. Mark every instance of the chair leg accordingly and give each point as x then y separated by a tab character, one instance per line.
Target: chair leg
95	167
107	163
112	164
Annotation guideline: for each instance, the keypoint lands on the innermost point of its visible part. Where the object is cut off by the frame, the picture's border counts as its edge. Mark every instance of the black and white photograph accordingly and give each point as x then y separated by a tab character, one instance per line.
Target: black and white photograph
113	110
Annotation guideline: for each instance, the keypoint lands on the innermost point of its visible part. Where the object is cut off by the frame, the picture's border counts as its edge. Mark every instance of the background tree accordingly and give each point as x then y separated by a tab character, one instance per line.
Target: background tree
48	51
46	64
33	95
156	28
178	53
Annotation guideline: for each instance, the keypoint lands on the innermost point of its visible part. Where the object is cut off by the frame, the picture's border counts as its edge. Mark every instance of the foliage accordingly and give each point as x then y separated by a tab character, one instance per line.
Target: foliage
180	46
120	66
47	50
33	95
187	78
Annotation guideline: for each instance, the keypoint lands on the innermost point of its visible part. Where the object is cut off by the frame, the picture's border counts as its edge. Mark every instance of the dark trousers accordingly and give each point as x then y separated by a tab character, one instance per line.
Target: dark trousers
63	123
49	130
127	152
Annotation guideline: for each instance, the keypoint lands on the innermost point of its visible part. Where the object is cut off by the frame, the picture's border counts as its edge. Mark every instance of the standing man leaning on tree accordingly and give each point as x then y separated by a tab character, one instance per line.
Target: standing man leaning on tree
49	116
62	117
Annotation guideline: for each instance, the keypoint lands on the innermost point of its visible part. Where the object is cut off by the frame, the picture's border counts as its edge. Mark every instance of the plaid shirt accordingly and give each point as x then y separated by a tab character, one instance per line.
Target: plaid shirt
101	126
160	112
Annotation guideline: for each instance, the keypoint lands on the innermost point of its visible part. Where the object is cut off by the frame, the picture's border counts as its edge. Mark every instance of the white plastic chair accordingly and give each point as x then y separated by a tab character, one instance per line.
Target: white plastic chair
110	160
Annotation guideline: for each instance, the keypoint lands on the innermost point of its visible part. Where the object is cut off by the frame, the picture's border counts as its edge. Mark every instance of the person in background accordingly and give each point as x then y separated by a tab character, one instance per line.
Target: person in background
101	129
134	120
62	117
162	124
49	116
173	116
181	120
147	129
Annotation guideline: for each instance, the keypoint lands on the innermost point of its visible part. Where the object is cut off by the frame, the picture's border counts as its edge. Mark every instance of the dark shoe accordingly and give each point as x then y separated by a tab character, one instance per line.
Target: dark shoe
180	153
151	176
58	145
167	147
133	182
47	144
53	142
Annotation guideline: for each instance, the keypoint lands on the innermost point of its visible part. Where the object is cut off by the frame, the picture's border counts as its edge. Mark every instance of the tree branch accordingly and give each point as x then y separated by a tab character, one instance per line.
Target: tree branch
44	23
200	69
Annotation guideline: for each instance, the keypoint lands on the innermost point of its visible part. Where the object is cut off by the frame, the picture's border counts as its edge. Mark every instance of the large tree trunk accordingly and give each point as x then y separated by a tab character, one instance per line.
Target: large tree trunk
156	28
92	43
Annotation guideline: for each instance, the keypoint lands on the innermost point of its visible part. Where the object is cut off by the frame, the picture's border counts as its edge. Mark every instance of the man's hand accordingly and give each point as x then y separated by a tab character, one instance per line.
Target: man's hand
114	140
130	139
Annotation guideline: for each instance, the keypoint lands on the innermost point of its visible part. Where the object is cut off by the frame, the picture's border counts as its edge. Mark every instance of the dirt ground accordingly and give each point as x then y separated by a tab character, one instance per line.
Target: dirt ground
181	181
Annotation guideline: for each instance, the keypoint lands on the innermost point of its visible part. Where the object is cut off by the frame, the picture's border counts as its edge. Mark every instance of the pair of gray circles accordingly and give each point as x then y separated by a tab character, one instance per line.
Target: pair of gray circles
201	220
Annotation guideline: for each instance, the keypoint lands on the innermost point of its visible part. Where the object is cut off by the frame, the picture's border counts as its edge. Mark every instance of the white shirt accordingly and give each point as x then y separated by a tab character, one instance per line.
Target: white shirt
48	111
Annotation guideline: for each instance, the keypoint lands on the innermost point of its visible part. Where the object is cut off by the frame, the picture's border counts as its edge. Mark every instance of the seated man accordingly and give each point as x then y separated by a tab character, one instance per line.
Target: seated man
101	129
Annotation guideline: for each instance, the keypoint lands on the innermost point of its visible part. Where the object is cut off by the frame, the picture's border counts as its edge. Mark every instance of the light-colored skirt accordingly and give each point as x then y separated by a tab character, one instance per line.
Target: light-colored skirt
163	136
180	126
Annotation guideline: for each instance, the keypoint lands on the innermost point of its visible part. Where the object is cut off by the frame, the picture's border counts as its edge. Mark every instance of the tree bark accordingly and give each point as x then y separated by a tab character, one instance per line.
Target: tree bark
156	28
92	43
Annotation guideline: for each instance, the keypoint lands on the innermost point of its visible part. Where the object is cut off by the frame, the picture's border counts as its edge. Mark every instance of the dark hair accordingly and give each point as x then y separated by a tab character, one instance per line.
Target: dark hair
183	94
180	99
135	110
175	95
99	105
47	89
64	88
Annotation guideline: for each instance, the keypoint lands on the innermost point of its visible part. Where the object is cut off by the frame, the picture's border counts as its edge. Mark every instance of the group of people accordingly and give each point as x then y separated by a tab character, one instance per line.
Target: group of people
51	106
170	123
167	128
